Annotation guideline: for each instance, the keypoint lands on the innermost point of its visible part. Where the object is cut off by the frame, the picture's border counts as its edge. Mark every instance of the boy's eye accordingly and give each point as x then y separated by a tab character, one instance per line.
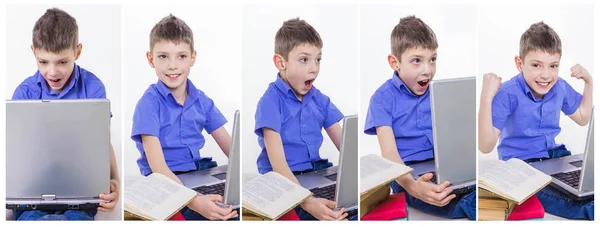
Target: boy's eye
535	65
433	60
303	59
554	66
62	62
43	62
416	61
162	56
183	56
319	59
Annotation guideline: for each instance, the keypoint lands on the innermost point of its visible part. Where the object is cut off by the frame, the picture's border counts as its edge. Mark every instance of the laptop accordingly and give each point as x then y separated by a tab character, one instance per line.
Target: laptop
343	187
57	153
453	126
573	174
221	180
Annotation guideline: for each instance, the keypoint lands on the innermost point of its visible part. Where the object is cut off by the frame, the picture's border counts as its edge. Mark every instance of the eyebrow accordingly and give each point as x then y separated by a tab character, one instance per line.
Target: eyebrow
62	59
301	53
181	52
538	61
421	56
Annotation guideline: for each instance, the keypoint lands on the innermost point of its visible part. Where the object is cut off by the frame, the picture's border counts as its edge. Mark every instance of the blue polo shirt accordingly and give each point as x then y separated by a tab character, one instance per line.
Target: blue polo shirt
178	128
299	123
82	85
409	116
528	124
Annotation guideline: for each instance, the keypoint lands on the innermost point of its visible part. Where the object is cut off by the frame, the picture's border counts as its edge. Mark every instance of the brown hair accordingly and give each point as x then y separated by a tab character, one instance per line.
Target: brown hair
411	32
55	31
172	29
539	36
295	32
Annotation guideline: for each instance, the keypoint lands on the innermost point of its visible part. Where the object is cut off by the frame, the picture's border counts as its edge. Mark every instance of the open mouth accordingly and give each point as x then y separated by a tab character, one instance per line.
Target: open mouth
54	81
173	76
308	84
542	84
423	83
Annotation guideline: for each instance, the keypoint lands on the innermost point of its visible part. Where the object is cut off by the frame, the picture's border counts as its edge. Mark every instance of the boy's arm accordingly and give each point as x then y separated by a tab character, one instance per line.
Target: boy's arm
583	113
422	189
319	208
113	197
223	139
487	133
335	134
204	205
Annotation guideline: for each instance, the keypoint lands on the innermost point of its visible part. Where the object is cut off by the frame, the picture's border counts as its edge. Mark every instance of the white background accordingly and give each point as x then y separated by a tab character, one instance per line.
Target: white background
499	36
217	71
454	26
337	26
100	55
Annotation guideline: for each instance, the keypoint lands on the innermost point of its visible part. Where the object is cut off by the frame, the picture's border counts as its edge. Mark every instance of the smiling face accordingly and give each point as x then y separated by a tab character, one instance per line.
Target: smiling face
301	68
416	68
56	68
172	63
540	70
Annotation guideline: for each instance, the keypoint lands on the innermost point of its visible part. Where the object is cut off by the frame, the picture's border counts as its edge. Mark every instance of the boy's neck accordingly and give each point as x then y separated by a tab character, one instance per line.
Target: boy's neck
180	93
286	82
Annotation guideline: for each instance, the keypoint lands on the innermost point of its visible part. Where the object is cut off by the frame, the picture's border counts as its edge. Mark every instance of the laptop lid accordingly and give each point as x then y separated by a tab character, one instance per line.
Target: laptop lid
58	148
232	183
586	183
346	194
453	120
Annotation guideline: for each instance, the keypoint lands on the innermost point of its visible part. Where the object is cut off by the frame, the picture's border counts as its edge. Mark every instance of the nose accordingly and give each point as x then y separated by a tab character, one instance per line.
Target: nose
545	73
427	69
52	70
313	67
172	64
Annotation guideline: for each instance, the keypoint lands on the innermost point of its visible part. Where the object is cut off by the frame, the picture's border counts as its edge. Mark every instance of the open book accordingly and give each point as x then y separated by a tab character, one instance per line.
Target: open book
156	197
513	180
376	170
271	195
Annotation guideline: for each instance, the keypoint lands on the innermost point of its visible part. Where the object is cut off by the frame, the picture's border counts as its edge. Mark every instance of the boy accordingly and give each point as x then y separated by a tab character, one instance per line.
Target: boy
291	113
169	118
56	47
524	112
400	115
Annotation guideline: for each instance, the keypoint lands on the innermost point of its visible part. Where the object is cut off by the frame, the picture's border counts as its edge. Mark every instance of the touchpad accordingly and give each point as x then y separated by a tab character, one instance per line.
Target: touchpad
576	163
332	177
220	176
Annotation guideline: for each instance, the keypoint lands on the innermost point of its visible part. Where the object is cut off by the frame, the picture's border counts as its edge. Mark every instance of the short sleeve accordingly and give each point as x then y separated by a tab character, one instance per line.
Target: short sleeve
501	109
146	118
332	113
378	114
214	117
267	114
571	100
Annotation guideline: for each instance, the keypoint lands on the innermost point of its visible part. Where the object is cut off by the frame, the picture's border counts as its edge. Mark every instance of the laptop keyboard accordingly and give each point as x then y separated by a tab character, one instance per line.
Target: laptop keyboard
218	189
327	192
569	178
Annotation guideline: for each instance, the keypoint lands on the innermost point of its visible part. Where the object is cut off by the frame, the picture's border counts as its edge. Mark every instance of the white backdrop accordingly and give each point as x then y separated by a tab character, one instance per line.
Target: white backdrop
101	55
499	35
337	26
454	26
216	71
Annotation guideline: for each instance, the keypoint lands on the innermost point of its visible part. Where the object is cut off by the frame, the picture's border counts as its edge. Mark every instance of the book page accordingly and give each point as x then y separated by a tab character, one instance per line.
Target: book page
156	197
376	170
272	194
513	179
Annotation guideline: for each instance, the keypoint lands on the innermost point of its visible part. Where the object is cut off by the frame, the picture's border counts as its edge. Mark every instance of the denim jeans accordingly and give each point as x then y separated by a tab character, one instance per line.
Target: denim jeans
463	206
186	212
557	202
64	215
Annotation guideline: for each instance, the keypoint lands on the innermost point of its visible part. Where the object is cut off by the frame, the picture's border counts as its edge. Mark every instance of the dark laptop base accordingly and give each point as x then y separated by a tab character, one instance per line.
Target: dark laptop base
53	207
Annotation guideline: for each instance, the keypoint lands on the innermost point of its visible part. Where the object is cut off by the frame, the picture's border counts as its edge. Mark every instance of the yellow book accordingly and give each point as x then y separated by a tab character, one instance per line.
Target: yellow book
513	180
271	195
156	197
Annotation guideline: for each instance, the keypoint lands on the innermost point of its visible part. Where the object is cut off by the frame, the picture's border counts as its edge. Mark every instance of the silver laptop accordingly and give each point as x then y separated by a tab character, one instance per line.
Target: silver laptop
453	120
221	180
343	187
57	153
573	174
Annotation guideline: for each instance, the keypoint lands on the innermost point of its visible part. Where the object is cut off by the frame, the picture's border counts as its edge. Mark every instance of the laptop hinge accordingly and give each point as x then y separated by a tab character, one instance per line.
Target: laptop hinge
48	198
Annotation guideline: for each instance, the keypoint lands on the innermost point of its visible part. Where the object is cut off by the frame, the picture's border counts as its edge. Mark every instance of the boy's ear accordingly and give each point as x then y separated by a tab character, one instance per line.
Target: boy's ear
394	63
519	63
193	58
279	62
78	51
150	59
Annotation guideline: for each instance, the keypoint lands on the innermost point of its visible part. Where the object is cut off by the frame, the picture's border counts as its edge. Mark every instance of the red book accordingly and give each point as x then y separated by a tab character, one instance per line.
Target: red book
177	217
289	216
393	208
530	209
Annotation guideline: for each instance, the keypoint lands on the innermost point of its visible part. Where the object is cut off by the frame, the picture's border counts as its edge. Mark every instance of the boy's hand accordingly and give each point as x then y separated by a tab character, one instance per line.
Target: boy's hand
321	209
437	195
113	197
580	72
207	207
491	84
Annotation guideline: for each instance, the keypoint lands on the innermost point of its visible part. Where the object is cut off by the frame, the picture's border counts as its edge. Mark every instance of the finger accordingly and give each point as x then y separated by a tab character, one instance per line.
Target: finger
230	216
342	217
441	187
109	197
330	204
426	177
216	216
448	199
222	211
110	205
215	198
102	209
441	196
